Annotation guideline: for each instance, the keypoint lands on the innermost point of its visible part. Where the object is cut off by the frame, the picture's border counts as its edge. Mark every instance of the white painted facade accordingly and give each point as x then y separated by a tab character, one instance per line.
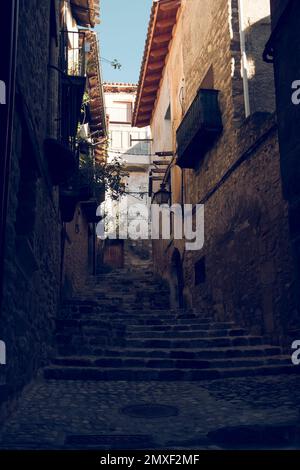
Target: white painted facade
131	145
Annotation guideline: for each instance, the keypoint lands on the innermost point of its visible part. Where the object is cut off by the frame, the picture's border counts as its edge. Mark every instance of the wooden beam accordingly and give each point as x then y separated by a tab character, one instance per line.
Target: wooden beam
154	77
145	109
146	99
144	114
150	89
162	24
157	53
169	6
161	38
156	65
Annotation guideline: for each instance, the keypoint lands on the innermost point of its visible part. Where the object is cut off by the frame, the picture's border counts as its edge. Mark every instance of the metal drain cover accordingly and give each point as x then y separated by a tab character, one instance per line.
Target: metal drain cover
112	441
150	411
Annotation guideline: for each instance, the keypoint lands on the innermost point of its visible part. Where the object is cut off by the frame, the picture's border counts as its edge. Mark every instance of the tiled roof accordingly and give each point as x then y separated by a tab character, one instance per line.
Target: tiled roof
95	90
120	84
160	32
119	87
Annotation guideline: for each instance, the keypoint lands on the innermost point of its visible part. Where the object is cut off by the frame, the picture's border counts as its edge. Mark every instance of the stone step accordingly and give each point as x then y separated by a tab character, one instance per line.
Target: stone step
200	353
114	314
143	374
194	343
164	363
182	334
161	314
87	343
103	323
178	331
122	350
183	327
129	288
130	319
126	276
121	327
93	303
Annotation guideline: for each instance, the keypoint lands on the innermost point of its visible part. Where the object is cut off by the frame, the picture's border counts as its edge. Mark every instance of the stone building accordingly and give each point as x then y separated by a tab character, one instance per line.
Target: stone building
283	49
132	147
46	80
209	98
82	195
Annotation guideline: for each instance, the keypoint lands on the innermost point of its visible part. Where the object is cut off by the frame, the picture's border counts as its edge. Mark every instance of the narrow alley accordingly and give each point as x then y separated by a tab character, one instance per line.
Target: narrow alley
149	255
133	373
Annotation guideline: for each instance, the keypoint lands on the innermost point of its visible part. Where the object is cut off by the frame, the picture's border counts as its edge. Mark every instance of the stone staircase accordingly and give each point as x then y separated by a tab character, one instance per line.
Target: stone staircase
123	329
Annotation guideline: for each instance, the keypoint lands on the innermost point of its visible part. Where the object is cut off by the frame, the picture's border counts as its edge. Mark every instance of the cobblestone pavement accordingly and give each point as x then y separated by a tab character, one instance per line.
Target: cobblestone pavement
51	410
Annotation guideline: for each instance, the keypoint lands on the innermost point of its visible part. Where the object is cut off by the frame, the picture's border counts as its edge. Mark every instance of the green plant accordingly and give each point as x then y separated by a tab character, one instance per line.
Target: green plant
103	176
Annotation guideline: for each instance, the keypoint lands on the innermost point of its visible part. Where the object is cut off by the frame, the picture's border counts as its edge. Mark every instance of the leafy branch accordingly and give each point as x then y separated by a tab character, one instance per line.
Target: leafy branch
108	176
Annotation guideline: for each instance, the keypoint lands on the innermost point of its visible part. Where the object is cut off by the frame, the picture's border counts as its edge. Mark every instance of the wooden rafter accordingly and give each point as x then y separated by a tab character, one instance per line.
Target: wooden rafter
163	18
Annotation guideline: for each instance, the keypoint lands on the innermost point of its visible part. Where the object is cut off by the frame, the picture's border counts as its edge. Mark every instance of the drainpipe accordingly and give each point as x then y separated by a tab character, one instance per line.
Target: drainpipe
244	58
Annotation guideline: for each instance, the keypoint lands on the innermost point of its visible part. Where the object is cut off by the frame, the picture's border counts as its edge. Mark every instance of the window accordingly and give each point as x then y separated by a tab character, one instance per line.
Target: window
116	139
121	111
120	139
200	272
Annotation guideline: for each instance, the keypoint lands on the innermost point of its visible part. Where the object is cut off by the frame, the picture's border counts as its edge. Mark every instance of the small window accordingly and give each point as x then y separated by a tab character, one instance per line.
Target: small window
200	272
121	111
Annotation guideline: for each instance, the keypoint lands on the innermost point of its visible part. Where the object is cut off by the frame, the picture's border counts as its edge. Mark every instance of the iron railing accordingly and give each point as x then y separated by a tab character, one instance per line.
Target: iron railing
200	127
74	48
73	53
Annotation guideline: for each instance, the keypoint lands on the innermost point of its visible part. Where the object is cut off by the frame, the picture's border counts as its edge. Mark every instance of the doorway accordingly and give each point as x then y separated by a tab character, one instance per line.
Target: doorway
177	281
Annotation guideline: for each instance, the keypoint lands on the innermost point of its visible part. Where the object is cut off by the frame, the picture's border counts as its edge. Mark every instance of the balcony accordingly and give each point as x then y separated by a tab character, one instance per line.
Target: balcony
88	186
73	53
74	48
62	154
200	128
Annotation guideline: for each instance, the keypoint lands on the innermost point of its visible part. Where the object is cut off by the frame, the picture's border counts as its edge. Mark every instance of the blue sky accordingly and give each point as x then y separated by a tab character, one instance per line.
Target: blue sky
122	35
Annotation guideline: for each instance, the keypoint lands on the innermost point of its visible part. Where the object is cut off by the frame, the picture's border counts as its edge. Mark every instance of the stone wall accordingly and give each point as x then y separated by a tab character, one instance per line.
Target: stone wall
243	273
32	258
286	46
246	254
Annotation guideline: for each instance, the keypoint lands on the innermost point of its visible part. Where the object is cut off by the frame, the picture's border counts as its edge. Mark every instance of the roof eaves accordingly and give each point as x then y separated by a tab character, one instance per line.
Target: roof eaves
158	9
86	12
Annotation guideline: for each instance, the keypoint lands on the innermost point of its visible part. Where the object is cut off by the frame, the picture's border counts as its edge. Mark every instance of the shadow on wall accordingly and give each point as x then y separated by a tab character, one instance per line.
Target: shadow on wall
260	74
